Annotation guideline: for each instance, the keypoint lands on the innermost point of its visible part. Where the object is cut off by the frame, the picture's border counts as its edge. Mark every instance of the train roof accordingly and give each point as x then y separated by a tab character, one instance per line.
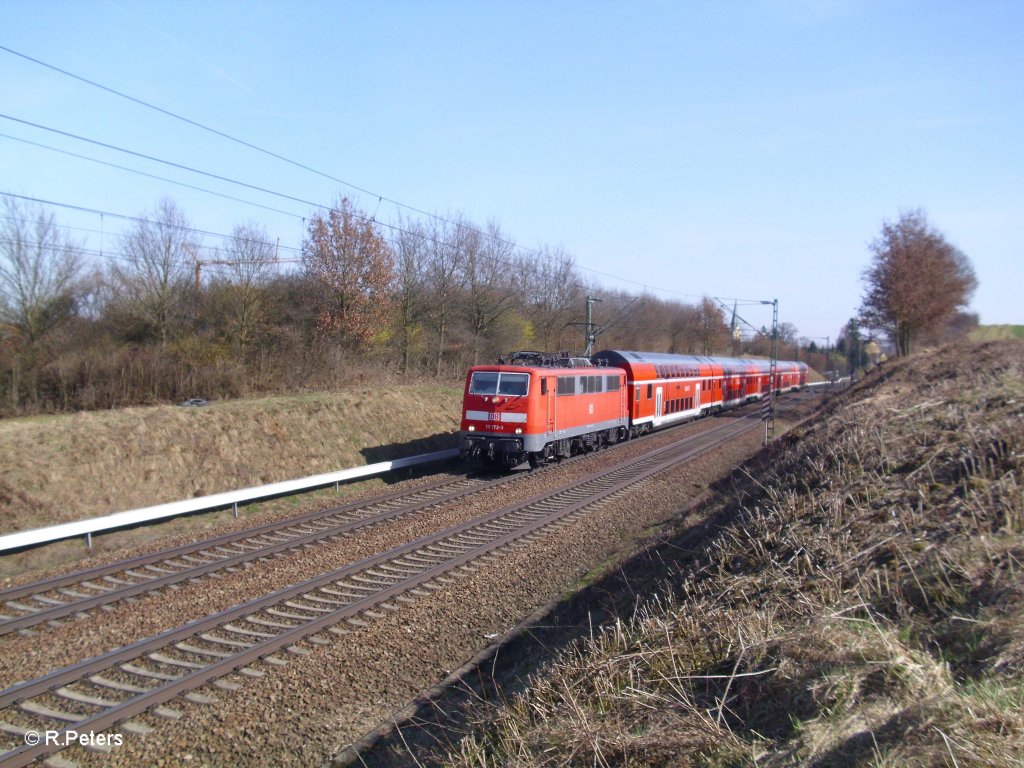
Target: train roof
620	357
577	368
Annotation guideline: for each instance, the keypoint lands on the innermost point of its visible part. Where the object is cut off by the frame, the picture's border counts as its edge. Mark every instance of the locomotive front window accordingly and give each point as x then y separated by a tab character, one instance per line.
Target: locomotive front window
495	383
484	383
515	384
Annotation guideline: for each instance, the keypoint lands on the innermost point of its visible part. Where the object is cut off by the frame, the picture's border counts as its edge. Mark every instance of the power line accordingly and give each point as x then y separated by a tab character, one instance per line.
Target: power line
171	163
207	128
310	203
114	256
305	167
244	143
138	219
148	175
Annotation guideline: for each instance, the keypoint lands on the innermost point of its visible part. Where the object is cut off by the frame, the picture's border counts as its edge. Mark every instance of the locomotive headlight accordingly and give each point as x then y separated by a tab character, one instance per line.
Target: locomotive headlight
519	430
471	428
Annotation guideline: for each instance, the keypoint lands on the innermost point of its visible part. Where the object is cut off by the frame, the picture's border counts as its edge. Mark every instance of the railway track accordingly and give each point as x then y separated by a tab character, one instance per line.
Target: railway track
111	689
71	594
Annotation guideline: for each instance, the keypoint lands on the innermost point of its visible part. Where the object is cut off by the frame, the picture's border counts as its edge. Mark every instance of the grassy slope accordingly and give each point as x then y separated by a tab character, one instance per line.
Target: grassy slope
63	468
862	602
996	332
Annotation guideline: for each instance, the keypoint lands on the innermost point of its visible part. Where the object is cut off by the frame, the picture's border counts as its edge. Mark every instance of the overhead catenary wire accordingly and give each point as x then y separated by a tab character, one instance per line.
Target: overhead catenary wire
138	219
319	206
113	256
86	209
372	219
180	166
249	145
149	175
193	230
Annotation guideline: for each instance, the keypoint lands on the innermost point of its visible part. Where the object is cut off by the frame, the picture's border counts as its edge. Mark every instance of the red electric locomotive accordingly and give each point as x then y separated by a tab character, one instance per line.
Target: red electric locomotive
535	408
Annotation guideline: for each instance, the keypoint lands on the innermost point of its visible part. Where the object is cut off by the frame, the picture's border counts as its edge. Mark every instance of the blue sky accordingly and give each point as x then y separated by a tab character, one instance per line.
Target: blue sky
731	149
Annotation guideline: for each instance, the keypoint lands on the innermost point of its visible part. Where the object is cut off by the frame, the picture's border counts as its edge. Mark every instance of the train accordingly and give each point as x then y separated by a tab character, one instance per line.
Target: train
534	408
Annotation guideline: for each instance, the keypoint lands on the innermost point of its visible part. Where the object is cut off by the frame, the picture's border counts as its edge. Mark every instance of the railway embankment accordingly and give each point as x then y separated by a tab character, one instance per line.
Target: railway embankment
71	467
854	595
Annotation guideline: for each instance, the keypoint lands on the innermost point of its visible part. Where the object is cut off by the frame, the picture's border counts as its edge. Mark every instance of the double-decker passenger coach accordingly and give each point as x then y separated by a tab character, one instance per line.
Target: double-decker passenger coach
668	388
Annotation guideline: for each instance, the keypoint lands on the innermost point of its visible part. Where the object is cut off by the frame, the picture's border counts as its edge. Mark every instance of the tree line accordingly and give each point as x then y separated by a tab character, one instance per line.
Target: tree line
166	316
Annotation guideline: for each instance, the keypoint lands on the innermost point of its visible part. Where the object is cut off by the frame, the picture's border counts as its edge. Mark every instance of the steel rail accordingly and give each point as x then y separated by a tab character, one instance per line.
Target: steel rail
31	688
131	584
607	484
222	560
31	615
46	585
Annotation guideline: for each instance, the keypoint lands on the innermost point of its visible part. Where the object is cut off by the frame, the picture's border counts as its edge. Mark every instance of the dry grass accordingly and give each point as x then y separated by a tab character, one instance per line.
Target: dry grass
997	332
63	468
861	604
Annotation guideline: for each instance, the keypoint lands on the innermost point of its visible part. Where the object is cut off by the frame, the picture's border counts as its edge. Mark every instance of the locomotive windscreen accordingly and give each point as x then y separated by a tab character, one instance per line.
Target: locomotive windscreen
495	383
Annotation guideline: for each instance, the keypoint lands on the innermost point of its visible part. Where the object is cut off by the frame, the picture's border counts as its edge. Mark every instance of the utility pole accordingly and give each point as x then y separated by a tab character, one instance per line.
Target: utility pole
769	424
199	279
591	333
735	334
828	358
828	347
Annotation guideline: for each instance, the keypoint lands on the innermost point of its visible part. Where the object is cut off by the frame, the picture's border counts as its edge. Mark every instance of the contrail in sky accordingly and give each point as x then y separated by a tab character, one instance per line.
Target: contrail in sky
180	44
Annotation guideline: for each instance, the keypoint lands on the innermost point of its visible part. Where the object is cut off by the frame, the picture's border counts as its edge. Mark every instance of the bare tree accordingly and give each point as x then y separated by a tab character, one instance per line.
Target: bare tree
353	267
449	241
39	271
153	281
713	330
411	248
251	257
554	296
485	269
916	282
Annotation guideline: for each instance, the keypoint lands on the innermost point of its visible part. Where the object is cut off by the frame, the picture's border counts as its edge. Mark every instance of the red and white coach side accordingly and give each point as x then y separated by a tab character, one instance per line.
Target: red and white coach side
665	388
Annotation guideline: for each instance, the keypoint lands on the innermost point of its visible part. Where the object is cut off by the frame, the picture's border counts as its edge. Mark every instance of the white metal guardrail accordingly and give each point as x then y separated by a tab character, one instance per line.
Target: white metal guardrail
844	380
214	501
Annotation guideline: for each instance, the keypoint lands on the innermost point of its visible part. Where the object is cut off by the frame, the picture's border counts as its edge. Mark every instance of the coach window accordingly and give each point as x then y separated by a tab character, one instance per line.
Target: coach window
650	391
